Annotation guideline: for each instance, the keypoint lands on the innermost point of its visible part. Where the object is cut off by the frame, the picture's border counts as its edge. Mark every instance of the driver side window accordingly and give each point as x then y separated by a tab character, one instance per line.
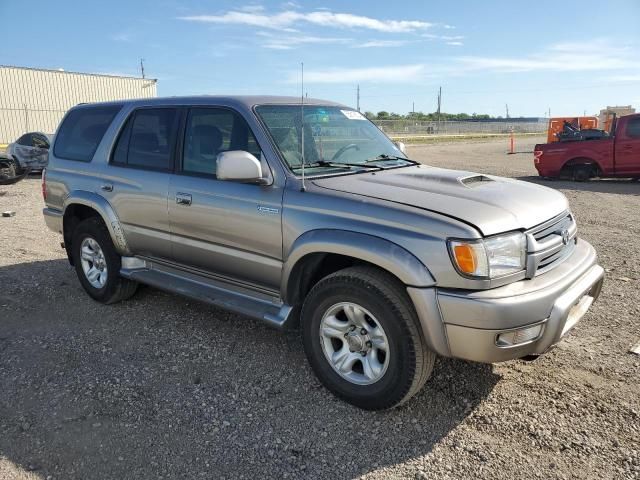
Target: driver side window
210	131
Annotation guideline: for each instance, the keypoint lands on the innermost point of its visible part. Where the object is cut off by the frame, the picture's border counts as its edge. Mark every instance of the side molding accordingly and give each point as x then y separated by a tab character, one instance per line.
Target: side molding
99	204
369	248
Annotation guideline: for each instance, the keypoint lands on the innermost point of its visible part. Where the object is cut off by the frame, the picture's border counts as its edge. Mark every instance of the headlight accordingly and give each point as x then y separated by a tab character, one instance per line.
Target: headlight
491	257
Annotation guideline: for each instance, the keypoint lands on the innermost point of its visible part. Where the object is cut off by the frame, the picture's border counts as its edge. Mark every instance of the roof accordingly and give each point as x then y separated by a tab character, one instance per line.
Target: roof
52	70
246	101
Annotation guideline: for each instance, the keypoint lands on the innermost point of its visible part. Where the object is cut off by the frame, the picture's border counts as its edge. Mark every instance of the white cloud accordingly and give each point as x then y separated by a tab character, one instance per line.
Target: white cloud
623	78
562	57
290	41
455	44
121	37
387	74
252	8
288	19
381	44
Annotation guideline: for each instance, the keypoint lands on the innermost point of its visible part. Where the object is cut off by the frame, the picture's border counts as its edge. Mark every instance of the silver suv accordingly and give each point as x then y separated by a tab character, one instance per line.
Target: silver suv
307	213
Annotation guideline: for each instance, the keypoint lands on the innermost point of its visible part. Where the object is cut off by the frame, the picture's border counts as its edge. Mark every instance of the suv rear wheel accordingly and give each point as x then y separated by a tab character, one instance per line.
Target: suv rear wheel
98	264
361	336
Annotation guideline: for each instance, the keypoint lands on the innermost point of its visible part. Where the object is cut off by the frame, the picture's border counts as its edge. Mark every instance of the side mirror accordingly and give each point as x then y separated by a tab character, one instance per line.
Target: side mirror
239	166
400	146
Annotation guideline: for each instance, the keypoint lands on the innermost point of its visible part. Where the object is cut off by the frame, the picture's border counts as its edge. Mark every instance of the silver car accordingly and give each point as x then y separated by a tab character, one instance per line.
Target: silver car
307	214
30	151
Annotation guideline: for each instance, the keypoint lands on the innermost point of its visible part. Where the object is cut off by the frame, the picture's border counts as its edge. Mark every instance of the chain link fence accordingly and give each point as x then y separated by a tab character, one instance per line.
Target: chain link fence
420	128
16	121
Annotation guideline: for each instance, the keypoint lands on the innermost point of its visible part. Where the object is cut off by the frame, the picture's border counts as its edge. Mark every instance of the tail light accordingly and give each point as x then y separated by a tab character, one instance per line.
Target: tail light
44	184
536	156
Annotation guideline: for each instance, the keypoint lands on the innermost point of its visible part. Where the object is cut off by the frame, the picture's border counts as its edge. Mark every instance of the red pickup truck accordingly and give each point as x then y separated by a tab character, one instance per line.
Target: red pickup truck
615	155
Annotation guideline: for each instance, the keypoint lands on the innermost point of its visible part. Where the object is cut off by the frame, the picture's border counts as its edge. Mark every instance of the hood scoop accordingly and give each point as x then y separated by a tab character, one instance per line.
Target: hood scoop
475	180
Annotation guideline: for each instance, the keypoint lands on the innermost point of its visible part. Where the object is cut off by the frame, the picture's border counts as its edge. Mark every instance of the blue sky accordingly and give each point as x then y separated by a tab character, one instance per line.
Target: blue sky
569	56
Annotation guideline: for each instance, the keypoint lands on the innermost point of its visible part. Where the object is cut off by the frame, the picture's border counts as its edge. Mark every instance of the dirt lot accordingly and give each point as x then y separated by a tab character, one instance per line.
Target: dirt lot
163	387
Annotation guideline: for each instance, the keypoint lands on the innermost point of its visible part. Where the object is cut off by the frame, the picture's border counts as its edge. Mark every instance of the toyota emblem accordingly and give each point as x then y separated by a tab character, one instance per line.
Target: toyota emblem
565	237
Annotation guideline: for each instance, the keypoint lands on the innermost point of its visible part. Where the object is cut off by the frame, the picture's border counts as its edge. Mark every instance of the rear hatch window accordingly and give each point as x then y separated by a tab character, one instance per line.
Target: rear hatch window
82	130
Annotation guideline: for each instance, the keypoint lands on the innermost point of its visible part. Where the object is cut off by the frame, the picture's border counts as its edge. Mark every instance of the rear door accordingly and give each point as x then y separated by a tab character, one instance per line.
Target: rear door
137	181
627	155
224	228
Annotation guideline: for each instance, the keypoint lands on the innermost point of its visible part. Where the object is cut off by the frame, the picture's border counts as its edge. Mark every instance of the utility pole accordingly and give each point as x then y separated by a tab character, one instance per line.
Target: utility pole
413	107
142	67
358	97
439	102
507	107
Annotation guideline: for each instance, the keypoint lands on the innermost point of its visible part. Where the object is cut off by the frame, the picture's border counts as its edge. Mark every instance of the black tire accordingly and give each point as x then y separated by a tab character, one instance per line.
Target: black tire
410	361
115	288
582	173
16	166
7	169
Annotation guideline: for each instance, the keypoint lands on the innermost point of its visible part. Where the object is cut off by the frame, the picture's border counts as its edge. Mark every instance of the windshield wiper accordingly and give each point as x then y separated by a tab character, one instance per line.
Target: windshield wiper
384	157
326	163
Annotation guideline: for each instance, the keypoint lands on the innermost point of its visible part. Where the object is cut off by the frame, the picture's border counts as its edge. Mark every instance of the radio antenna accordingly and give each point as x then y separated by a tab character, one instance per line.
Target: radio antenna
303	188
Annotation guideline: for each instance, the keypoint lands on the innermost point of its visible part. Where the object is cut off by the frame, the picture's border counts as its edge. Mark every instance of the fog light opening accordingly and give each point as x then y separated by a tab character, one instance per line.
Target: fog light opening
520	336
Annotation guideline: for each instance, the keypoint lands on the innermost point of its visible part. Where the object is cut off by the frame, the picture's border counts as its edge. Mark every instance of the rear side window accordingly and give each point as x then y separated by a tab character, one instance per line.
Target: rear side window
40	141
147	140
81	132
633	128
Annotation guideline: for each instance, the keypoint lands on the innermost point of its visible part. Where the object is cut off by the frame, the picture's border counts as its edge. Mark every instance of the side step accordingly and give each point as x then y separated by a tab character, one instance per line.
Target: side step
216	292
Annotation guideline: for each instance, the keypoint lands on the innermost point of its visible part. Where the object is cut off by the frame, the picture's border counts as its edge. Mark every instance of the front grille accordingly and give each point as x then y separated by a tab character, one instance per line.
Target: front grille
550	243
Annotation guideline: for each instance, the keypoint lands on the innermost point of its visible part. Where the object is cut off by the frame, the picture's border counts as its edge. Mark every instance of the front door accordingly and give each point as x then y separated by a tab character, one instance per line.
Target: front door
628	148
224	228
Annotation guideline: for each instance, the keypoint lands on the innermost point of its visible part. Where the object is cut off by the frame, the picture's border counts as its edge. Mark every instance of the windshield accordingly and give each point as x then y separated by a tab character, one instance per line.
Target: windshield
335	138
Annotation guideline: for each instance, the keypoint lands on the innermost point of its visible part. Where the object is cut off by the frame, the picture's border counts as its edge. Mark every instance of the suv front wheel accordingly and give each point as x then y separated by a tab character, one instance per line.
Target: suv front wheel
98	263
361	337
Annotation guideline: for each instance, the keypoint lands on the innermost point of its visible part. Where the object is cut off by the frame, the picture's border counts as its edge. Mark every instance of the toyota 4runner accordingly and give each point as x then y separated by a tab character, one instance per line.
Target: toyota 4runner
289	212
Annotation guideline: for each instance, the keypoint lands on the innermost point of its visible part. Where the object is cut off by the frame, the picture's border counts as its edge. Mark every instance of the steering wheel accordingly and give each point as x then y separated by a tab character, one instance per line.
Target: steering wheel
341	150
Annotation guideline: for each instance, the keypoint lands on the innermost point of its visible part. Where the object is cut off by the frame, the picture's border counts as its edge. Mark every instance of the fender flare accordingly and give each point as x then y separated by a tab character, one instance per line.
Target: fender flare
375	250
105	210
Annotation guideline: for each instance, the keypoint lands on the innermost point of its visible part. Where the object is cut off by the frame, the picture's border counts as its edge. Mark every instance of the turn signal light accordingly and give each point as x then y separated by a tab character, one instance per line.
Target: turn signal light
465	258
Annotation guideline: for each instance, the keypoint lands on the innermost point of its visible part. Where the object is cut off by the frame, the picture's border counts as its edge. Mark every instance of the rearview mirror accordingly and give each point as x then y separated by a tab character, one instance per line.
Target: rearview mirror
400	146
239	166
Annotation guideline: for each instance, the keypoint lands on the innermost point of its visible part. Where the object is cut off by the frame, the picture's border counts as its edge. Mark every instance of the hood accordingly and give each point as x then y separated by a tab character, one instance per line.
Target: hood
491	204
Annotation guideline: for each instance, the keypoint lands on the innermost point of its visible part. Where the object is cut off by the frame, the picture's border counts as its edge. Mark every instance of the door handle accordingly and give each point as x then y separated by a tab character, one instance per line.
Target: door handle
107	187
183	198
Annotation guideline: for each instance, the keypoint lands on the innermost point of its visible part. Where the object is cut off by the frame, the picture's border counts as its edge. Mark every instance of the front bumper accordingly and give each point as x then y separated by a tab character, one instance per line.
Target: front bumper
471	321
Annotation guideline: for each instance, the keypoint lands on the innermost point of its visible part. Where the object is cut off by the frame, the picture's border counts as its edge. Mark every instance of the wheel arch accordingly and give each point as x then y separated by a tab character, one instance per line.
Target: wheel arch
80	205
582	161
318	253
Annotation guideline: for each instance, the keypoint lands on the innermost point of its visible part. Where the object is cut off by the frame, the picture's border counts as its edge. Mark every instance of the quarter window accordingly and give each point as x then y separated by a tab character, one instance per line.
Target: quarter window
82	130
210	131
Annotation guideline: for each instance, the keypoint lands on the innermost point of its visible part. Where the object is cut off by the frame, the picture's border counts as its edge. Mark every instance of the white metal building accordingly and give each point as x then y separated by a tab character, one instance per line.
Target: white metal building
33	99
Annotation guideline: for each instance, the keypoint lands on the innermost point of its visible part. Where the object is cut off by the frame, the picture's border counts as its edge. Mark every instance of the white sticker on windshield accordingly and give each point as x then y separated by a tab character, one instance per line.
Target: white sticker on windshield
353	115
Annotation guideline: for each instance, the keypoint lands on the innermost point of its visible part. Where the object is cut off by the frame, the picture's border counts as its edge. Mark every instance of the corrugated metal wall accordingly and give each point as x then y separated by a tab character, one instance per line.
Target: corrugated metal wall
35	100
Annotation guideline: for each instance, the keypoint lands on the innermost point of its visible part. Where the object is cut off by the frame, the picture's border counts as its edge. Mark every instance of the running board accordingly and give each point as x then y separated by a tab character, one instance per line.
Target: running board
260	306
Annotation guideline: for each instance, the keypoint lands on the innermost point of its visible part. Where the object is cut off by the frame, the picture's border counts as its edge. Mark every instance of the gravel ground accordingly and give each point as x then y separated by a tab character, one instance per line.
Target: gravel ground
163	387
